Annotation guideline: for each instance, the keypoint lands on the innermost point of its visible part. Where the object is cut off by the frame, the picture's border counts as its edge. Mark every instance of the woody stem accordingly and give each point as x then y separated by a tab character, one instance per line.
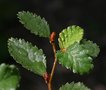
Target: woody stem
55	60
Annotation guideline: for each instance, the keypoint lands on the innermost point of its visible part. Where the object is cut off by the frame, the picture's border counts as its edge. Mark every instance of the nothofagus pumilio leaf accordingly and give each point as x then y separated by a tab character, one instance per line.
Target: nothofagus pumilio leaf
92	48
9	77
34	23
69	36
74	86
29	56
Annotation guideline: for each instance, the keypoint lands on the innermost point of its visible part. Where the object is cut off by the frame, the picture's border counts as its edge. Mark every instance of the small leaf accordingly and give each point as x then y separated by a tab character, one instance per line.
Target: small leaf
9	77
34	23
76	59
74	86
69	36
29	56
92	48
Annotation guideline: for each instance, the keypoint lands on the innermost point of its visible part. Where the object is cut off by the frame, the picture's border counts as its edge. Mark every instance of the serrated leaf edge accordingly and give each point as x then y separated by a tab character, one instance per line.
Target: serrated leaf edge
34	15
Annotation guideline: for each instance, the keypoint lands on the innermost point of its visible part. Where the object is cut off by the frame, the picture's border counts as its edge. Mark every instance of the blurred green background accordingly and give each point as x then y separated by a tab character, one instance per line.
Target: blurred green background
89	14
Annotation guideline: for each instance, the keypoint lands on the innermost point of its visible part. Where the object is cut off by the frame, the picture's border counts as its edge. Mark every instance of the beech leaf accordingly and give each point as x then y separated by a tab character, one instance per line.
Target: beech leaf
9	77
92	48
29	56
69	36
78	58
74	86
34	23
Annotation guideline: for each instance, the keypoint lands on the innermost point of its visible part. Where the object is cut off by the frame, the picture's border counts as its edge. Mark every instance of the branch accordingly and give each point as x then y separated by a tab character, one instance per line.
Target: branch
52	38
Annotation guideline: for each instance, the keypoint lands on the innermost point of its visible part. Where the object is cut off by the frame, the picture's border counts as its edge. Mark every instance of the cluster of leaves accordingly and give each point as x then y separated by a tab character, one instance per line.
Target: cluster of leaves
75	54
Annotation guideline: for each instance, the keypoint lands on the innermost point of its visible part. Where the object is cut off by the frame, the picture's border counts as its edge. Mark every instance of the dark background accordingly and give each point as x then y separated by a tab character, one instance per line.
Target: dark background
89	14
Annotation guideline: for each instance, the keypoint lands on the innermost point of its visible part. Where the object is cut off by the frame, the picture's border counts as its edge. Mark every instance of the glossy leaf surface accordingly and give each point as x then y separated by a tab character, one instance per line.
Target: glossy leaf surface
92	48
69	36
29	56
74	86
78	57
9	77
34	23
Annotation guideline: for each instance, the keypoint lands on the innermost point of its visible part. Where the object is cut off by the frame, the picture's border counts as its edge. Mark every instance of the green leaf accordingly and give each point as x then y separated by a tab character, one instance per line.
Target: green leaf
34	23
92	48
69	36
29	56
74	86
75	58
9	77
